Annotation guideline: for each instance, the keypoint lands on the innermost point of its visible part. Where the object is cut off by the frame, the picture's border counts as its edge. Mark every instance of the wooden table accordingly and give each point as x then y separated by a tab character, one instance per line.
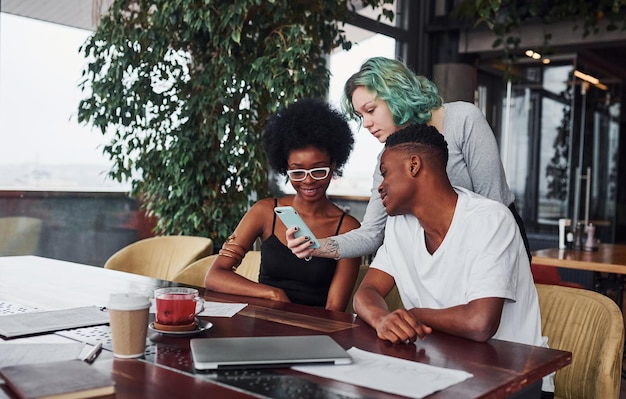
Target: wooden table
500	368
609	258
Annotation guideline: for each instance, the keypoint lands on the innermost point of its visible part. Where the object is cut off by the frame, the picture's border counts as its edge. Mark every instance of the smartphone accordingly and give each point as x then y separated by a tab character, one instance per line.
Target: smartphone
290	218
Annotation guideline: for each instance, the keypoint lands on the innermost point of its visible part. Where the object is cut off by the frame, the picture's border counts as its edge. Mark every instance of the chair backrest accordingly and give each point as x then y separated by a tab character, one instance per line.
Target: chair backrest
393	298
195	273
250	266
19	235
160	257
591	326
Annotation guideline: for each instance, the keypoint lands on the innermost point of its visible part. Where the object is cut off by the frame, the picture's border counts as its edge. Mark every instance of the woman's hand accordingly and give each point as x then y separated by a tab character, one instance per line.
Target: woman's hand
300	246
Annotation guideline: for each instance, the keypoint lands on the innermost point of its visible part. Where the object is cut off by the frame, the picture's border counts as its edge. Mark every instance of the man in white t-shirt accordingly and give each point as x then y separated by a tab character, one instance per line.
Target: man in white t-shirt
457	258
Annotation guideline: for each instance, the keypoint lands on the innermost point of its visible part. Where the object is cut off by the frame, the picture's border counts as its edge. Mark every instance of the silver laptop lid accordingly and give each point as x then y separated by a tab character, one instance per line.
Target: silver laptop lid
259	352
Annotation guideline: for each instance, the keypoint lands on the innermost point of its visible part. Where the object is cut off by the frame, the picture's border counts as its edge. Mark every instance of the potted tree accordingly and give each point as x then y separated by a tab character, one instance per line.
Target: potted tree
181	89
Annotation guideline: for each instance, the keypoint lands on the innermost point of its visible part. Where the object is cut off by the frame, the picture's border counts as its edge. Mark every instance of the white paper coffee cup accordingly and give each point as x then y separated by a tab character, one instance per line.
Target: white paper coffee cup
128	317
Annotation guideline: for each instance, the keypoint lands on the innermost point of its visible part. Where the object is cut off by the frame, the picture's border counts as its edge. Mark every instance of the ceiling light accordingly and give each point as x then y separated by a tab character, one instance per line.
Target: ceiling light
586	78
602	86
591	79
532	54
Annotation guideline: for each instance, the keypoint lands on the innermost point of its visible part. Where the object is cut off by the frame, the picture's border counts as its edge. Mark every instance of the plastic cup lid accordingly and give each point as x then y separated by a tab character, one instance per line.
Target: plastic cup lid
128	301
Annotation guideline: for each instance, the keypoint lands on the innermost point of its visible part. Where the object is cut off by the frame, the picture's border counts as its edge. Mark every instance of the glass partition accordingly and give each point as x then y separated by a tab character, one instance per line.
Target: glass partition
560	144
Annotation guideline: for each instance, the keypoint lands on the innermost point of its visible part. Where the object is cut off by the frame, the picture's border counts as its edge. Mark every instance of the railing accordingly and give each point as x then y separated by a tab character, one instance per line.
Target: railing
84	227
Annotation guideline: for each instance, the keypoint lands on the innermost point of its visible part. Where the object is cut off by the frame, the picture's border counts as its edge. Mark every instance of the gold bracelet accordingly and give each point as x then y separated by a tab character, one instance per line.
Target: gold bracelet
231	240
231	250
236	258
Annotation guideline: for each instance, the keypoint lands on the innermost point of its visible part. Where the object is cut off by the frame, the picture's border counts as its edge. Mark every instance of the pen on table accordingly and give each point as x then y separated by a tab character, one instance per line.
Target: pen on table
90	354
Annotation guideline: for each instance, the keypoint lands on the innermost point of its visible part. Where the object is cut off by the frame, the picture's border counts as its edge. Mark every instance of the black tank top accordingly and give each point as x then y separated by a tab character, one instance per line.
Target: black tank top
305	283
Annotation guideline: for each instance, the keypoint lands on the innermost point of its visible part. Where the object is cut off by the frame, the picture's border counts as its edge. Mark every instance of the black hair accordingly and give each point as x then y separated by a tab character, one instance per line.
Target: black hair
305	123
421	138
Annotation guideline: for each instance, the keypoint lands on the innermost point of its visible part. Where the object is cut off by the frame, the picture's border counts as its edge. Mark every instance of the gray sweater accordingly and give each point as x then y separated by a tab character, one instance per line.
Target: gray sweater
473	163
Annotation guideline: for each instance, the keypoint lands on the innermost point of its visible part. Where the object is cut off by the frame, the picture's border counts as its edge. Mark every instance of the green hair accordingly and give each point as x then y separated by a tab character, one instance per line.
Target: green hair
410	97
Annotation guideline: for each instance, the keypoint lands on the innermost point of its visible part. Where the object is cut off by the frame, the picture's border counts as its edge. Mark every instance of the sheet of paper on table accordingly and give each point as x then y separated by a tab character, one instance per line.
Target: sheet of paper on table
221	309
214	309
390	374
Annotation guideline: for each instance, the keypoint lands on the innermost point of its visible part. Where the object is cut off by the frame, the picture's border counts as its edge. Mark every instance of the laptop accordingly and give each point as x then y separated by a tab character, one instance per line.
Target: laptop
262	352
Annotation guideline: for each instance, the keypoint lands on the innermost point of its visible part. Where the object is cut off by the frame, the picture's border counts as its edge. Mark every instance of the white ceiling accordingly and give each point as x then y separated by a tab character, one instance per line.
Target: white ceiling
83	14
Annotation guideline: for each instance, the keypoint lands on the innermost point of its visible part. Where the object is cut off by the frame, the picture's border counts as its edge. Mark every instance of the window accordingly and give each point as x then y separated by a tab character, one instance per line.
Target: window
43	145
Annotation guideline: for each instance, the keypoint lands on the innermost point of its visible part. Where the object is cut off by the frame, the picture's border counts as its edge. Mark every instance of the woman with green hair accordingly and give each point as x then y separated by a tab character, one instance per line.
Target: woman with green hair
385	96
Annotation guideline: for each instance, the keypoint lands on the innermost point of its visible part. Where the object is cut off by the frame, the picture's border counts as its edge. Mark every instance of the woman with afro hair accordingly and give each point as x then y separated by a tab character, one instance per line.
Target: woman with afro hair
309	142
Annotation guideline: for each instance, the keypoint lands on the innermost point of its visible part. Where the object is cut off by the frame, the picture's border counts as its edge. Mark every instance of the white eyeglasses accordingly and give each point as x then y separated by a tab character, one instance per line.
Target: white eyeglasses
315	173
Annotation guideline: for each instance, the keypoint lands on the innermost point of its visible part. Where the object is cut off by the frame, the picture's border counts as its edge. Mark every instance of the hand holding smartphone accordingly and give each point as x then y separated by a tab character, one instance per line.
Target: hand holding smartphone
290	218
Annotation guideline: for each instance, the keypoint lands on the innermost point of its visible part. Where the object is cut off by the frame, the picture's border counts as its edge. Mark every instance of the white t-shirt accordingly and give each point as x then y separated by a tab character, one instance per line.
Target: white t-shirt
482	255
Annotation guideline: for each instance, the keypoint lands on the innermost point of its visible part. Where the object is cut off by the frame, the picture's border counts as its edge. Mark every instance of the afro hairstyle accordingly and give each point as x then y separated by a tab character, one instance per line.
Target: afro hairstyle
307	123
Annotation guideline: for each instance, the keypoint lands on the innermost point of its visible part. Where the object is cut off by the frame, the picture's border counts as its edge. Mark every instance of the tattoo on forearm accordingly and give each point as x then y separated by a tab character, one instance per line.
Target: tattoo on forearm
329	249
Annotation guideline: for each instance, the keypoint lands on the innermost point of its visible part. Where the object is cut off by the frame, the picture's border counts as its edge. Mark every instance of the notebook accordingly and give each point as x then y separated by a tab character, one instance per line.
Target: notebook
260	352
20	324
56	380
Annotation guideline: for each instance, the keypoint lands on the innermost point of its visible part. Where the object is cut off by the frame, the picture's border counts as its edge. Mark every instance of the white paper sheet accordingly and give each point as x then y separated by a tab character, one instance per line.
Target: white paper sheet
390	374
214	309
221	309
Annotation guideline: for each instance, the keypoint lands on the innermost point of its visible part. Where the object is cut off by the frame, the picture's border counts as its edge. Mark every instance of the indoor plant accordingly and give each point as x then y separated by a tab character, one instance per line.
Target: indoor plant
181	89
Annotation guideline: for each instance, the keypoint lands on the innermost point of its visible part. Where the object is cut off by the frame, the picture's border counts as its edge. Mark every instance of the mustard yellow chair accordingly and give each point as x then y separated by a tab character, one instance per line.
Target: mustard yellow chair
160	257
591	326
19	235
250	266
393	298
194	274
